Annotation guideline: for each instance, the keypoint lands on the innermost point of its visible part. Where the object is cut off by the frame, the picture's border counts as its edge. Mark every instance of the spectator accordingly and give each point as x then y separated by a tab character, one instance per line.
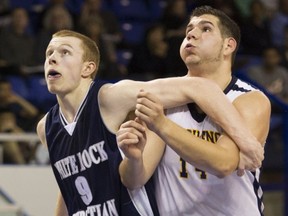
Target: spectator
4	13
108	68
47	7
13	152
149	58
278	22
271	75
244	7
174	20
229	7
56	18
14	39
26	113
284	49
255	30
111	27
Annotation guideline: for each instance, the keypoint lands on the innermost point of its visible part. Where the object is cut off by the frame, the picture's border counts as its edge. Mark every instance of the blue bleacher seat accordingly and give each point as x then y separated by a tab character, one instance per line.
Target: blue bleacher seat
246	61
124	56
131	9
106	5
27	4
19	85
156	8
39	94
133	32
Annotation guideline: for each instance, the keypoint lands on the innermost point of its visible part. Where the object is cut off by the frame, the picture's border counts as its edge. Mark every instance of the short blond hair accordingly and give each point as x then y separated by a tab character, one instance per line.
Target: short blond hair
90	48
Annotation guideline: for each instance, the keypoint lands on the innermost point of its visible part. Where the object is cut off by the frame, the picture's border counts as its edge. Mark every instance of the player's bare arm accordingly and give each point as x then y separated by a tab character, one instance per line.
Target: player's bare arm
131	139
220	159
41	131
61	209
172	91
178	91
257	119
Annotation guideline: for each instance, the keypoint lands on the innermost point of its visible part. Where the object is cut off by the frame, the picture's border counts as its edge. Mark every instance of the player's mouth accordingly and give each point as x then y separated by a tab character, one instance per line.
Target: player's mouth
189	45
190	48
53	74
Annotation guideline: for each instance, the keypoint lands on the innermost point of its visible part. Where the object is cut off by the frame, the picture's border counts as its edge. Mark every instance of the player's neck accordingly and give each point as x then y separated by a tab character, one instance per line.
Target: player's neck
221	78
70	103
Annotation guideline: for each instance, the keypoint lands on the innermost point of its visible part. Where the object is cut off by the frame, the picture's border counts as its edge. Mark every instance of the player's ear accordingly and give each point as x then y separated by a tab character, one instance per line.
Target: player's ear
230	45
88	68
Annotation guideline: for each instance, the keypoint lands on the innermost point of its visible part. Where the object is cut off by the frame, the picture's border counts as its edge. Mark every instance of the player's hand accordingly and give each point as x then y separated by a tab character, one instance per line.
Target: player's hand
251	158
150	110
131	139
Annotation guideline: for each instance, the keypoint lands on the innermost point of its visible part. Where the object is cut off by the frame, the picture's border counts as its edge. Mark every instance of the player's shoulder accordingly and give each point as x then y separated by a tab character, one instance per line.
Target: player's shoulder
40	129
254	103
250	93
241	85
108	89
111	93
249	99
41	123
255	97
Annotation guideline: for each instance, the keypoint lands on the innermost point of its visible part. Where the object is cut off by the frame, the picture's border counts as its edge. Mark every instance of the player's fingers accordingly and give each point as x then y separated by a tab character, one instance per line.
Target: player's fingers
127	142
259	154
126	126
140	107
133	133
142	114
128	133
149	109
138	120
241	166
257	165
126	139
240	172
262	156
253	166
151	97
150	101
257	162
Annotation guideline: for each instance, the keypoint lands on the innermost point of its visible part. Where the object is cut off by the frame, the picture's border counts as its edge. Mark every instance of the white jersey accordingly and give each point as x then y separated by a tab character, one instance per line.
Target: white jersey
182	189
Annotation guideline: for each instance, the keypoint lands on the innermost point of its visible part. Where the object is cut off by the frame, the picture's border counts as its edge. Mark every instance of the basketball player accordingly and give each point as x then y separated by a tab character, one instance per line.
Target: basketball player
196	174
80	130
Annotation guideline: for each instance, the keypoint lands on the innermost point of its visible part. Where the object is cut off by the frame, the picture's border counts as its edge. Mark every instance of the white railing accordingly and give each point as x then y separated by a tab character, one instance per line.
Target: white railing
23	137
31	138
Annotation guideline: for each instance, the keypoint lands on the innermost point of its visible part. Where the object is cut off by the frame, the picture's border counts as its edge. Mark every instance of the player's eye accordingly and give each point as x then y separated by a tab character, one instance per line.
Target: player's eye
49	53
206	29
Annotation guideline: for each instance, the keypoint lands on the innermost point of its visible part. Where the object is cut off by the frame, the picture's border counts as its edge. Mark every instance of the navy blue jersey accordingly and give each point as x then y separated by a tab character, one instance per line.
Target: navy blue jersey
85	159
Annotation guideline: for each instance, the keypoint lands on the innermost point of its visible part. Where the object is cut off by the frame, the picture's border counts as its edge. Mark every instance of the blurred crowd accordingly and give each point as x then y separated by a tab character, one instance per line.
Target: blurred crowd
138	39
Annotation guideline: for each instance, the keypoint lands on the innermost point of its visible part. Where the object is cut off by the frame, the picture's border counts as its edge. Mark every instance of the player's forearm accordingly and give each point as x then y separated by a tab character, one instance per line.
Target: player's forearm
61	209
211	99
215	104
233	124
209	157
132	173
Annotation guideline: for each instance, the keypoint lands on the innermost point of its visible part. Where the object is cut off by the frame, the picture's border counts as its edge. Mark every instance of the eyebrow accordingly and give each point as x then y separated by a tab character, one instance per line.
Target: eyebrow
61	46
202	22
67	45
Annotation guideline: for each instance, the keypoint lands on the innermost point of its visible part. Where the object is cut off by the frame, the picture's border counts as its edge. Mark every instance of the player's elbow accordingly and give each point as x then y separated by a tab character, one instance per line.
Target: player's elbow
225	169
127	184
132	183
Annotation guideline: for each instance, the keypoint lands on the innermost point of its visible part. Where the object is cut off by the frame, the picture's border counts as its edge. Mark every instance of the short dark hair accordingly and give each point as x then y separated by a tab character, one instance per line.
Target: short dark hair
227	26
